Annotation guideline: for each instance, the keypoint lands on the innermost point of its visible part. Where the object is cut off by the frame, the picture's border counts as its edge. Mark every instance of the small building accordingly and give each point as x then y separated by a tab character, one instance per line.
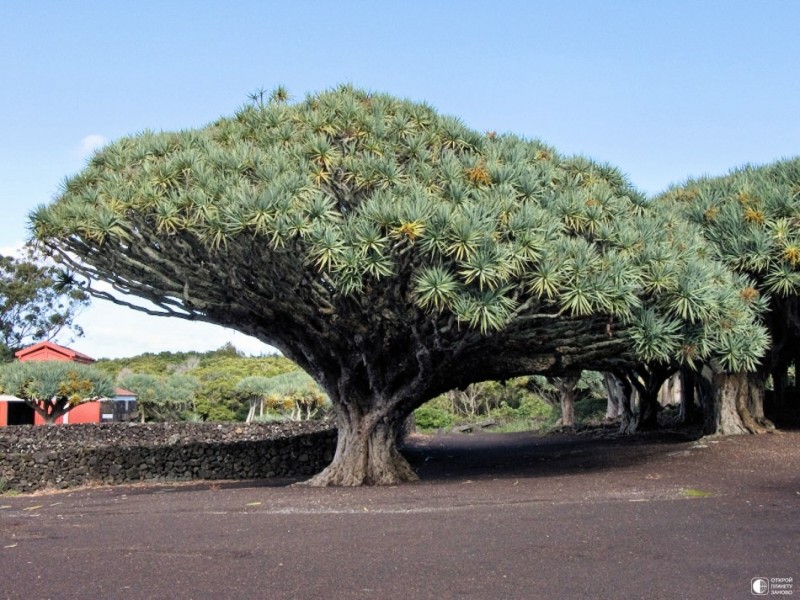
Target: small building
14	411
51	351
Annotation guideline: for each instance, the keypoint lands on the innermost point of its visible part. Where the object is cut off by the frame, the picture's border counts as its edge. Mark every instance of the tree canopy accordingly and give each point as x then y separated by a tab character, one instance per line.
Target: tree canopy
394	254
36	303
751	217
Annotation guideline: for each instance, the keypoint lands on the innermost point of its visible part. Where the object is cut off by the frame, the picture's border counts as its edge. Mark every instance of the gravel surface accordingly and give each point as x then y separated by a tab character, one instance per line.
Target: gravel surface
494	516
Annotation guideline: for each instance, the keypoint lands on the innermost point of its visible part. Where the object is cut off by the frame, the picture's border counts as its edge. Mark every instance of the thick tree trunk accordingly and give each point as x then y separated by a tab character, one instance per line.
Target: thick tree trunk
647	381
376	372
568	409
755	404
738	405
366	454
730	387
641	414
566	394
648	410
48	411
688	412
614	395
630	420
627	422
755	400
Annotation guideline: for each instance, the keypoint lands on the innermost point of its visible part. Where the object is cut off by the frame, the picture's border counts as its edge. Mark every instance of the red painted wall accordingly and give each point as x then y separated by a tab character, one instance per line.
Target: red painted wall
88	412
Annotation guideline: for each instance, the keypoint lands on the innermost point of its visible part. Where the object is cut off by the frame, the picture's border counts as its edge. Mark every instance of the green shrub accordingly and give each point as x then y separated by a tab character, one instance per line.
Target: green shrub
531	413
430	417
534	407
215	412
590	410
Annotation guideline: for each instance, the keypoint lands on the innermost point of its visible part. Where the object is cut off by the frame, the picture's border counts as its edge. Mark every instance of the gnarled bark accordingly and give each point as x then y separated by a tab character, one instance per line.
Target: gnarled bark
615	396
366	454
647	381
374	382
566	395
737	406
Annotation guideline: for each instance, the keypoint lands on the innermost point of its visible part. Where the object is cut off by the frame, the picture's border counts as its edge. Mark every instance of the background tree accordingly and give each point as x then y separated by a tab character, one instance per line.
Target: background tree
646	380
254	390
470	402
37	302
294	394
567	395
161	398
178	393
53	388
217	373
518	404
394	254
617	394
566	391
751	217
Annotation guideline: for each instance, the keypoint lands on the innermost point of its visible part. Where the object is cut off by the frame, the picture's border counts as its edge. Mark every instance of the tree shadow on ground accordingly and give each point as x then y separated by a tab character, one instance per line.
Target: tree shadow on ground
455	456
502	455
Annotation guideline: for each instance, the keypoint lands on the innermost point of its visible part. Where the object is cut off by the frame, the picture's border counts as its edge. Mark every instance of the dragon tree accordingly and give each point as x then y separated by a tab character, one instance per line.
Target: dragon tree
53	388
395	254
751	217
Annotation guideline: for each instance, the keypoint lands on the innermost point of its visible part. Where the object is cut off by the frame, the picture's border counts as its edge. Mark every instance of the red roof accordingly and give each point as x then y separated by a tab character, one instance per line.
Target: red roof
51	351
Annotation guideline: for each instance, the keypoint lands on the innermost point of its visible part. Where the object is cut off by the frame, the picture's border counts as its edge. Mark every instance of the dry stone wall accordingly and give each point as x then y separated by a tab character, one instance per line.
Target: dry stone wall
63	456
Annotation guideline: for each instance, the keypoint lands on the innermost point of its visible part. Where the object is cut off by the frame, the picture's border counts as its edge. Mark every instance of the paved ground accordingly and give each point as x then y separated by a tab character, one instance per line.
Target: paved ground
508	516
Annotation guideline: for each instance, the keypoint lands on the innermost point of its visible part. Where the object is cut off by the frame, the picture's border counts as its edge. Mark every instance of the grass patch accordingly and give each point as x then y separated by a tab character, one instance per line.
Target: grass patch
693	493
5	490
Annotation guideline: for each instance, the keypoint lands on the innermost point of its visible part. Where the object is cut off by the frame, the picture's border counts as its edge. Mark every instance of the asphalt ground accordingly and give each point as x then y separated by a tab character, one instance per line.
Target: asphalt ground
494	516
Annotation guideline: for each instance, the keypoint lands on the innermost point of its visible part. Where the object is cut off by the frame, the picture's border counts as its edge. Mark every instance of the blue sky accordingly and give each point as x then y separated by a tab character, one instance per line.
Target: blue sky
663	90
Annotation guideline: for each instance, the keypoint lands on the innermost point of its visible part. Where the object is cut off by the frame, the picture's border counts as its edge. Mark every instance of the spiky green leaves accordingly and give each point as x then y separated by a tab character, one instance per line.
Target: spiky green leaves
752	218
436	288
351	192
66	383
783	280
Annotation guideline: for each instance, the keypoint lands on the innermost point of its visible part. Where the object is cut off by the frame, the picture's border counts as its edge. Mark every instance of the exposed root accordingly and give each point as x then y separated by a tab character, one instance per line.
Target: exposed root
365	459
337	474
749	422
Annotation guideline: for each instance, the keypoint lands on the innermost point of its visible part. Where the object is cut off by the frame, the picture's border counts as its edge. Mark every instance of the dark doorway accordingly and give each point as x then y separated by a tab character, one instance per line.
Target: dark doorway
19	413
